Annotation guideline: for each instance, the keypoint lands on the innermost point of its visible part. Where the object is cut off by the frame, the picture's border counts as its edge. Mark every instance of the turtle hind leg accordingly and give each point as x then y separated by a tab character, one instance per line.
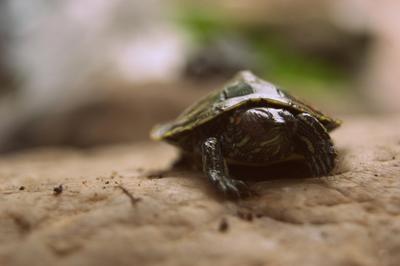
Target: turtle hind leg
314	142
214	166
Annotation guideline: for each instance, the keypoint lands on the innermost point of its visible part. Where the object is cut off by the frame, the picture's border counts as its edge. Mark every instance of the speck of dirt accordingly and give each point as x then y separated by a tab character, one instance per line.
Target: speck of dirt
375	174
223	225
21	188
58	190
104	187
107	182
246	216
394	158
156	175
84	182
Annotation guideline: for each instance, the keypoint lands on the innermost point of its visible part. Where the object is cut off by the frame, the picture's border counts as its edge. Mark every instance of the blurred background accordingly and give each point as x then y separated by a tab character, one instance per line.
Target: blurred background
95	72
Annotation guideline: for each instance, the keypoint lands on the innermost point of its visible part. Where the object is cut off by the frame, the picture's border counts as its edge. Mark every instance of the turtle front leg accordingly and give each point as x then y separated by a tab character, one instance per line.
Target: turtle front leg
314	142
214	166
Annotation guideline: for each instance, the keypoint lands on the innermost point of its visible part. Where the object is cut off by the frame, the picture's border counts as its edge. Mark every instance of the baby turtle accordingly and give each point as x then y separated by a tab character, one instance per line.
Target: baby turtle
250	122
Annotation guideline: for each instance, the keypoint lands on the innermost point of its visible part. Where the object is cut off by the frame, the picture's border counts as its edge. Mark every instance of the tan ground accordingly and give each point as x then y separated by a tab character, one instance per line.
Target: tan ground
349	218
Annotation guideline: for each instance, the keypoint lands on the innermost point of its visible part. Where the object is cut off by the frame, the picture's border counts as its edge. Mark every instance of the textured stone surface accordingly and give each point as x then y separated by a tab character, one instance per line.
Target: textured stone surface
175	218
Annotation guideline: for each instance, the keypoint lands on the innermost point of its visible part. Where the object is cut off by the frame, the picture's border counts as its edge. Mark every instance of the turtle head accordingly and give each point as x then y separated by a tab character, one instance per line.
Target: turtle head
261	132
268	119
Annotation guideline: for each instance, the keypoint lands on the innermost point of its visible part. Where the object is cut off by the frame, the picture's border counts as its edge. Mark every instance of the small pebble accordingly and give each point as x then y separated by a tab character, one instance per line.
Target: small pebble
223	226
58	190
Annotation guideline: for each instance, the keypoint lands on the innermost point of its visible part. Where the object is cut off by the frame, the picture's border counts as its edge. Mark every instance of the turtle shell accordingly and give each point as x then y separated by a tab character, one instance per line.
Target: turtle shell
244	89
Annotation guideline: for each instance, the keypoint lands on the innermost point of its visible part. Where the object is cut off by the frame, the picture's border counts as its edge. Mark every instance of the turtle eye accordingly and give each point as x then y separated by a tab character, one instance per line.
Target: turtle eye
239	89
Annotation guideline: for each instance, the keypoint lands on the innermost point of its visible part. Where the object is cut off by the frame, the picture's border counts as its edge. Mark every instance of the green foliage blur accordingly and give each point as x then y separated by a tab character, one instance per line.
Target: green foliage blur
277	61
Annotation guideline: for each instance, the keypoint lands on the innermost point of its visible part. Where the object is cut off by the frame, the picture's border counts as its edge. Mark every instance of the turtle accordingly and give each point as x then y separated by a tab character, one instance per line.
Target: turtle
250	122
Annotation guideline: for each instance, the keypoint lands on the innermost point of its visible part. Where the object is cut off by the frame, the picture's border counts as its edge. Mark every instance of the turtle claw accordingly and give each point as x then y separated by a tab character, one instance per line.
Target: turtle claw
234	189
244	188
231	188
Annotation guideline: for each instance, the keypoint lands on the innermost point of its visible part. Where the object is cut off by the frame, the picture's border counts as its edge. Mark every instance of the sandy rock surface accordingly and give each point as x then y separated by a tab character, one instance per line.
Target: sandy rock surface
117	208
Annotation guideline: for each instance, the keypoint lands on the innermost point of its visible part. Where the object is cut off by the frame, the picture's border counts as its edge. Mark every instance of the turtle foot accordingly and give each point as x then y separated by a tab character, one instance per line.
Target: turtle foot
233	188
